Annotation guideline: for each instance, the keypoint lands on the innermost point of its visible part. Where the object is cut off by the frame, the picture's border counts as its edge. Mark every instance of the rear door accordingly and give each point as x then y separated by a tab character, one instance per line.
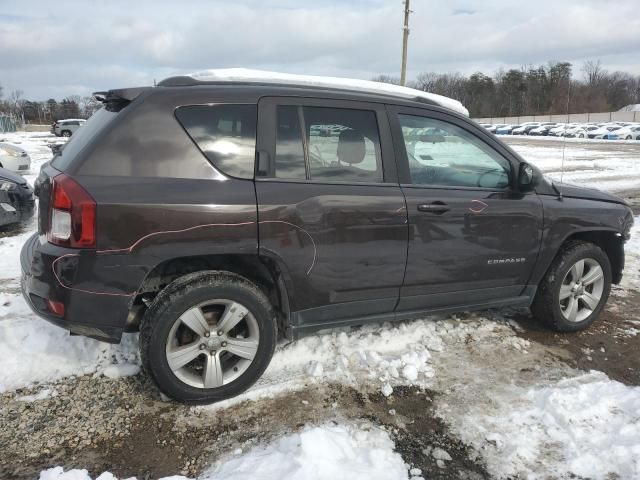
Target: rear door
331	213
472	237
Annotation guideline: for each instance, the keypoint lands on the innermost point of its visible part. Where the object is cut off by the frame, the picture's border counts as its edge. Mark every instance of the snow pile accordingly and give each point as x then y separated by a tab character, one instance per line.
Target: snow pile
374	356
33	350
631	277
319	453
10	258
587	426
324	452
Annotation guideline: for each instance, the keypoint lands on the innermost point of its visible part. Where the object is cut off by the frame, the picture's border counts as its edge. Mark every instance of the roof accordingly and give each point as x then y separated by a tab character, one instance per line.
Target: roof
248	76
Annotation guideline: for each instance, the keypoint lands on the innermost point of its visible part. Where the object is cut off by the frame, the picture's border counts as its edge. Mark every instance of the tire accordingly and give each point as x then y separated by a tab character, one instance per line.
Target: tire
163	325
581	136
547	305
628	137
66	133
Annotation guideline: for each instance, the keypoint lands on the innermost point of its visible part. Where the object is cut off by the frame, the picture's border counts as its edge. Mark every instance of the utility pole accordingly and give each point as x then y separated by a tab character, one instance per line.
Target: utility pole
405	39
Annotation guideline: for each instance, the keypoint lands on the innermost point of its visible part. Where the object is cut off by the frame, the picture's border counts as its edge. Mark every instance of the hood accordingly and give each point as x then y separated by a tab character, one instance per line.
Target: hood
12	177
575	191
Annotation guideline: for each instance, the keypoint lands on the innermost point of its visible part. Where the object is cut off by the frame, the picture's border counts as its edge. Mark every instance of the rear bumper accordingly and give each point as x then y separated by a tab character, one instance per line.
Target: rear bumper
55	273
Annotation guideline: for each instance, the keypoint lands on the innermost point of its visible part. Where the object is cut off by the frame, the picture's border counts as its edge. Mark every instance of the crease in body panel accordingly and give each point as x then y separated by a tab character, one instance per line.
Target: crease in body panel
133	246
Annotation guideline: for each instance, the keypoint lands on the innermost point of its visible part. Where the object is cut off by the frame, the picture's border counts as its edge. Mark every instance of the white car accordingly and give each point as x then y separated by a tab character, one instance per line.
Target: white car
631	132
14	158
604	132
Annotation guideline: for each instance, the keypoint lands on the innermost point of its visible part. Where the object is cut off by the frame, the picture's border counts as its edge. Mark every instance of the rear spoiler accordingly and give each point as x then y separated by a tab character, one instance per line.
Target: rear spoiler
116	100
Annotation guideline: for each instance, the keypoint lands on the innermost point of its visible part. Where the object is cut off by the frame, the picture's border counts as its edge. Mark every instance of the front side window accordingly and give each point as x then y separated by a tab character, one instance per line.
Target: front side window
226	134
443	154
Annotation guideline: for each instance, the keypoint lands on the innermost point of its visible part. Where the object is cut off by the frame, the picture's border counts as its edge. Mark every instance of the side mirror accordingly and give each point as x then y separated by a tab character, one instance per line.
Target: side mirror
526	177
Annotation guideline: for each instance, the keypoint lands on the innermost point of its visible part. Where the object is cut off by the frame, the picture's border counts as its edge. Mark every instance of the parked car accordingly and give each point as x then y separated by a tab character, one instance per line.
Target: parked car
506	129
66	128
14	158
525	128
230	223
16	198
626	133
542	129
603	132
579	131
494	128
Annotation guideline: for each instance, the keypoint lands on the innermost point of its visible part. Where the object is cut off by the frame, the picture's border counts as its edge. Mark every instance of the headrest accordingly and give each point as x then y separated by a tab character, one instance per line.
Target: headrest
351	147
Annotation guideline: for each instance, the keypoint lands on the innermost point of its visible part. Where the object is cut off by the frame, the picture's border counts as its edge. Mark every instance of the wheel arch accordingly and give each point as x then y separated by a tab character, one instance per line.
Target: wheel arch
263	272
610	241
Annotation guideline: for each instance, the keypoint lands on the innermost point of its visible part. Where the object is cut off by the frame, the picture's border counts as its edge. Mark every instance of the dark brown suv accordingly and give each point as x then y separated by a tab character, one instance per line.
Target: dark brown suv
214	215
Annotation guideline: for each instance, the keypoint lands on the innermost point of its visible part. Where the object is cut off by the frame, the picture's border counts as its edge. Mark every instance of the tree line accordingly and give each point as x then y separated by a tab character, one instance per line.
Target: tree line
48	111
543	90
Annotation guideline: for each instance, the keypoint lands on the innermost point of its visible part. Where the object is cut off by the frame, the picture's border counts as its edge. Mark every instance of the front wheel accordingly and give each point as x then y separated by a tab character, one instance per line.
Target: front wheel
208	336
574	289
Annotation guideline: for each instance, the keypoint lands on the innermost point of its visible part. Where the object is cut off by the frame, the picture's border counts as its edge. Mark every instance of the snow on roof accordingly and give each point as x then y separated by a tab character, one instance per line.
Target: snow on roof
262	76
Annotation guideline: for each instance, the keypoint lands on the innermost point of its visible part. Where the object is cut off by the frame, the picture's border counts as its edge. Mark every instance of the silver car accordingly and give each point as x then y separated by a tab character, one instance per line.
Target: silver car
14	158
66	128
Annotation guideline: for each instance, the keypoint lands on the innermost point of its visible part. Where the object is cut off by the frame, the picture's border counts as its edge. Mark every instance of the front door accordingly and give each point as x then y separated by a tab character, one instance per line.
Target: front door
331	212
473	238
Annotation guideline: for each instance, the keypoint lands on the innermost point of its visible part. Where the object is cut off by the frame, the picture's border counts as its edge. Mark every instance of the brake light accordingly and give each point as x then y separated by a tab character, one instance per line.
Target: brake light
72	219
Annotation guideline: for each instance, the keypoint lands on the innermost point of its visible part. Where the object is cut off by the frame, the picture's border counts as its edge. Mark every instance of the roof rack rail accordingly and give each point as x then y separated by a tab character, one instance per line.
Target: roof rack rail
260	77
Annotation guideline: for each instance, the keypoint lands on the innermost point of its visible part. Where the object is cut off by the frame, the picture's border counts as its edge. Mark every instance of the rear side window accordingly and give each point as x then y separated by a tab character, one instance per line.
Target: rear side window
226	134
341	145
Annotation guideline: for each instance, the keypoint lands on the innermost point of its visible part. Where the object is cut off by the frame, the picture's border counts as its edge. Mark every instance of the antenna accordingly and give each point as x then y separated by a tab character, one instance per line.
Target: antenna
564	140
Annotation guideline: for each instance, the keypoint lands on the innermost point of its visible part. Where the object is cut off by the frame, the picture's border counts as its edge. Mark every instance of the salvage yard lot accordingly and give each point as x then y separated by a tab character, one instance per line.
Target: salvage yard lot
490	395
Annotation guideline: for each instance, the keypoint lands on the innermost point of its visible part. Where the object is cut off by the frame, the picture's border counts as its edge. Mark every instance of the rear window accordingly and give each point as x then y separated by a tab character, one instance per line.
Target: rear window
226	134
82	137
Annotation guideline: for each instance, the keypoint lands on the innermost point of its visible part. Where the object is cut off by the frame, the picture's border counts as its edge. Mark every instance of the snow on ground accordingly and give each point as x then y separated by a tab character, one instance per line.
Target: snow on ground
315	453
608	165
524	411
33	350
586	426
631	278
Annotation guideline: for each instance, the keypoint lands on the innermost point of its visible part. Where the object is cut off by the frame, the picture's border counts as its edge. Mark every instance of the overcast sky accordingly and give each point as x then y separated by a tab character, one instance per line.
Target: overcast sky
56	48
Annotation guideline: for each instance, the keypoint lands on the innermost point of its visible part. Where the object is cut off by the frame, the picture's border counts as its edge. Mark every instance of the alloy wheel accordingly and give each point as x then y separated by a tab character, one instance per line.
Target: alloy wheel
212	344
581	290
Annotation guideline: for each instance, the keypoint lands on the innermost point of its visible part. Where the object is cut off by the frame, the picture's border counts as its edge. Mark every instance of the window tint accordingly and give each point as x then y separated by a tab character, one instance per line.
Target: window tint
289	147
343	144
225	133
440	153
98	122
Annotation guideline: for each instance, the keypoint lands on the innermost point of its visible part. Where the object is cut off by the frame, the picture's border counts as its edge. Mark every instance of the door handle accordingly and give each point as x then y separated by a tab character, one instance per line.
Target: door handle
437	208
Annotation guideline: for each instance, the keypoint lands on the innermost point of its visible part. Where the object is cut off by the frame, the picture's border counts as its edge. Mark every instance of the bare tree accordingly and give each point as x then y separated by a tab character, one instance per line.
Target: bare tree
594	74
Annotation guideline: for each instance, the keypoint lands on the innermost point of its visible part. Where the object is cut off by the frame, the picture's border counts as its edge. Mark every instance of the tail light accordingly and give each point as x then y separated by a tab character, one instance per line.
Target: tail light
72	218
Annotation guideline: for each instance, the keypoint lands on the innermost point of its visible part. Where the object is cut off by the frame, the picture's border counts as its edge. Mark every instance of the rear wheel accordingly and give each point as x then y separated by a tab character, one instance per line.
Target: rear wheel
66	133
208	336
575	289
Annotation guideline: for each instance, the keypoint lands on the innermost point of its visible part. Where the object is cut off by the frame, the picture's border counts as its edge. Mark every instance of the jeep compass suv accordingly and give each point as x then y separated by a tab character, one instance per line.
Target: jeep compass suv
214	212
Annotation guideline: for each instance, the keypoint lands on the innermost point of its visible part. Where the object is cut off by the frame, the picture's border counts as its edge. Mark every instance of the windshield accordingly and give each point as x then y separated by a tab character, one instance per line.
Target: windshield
82	137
